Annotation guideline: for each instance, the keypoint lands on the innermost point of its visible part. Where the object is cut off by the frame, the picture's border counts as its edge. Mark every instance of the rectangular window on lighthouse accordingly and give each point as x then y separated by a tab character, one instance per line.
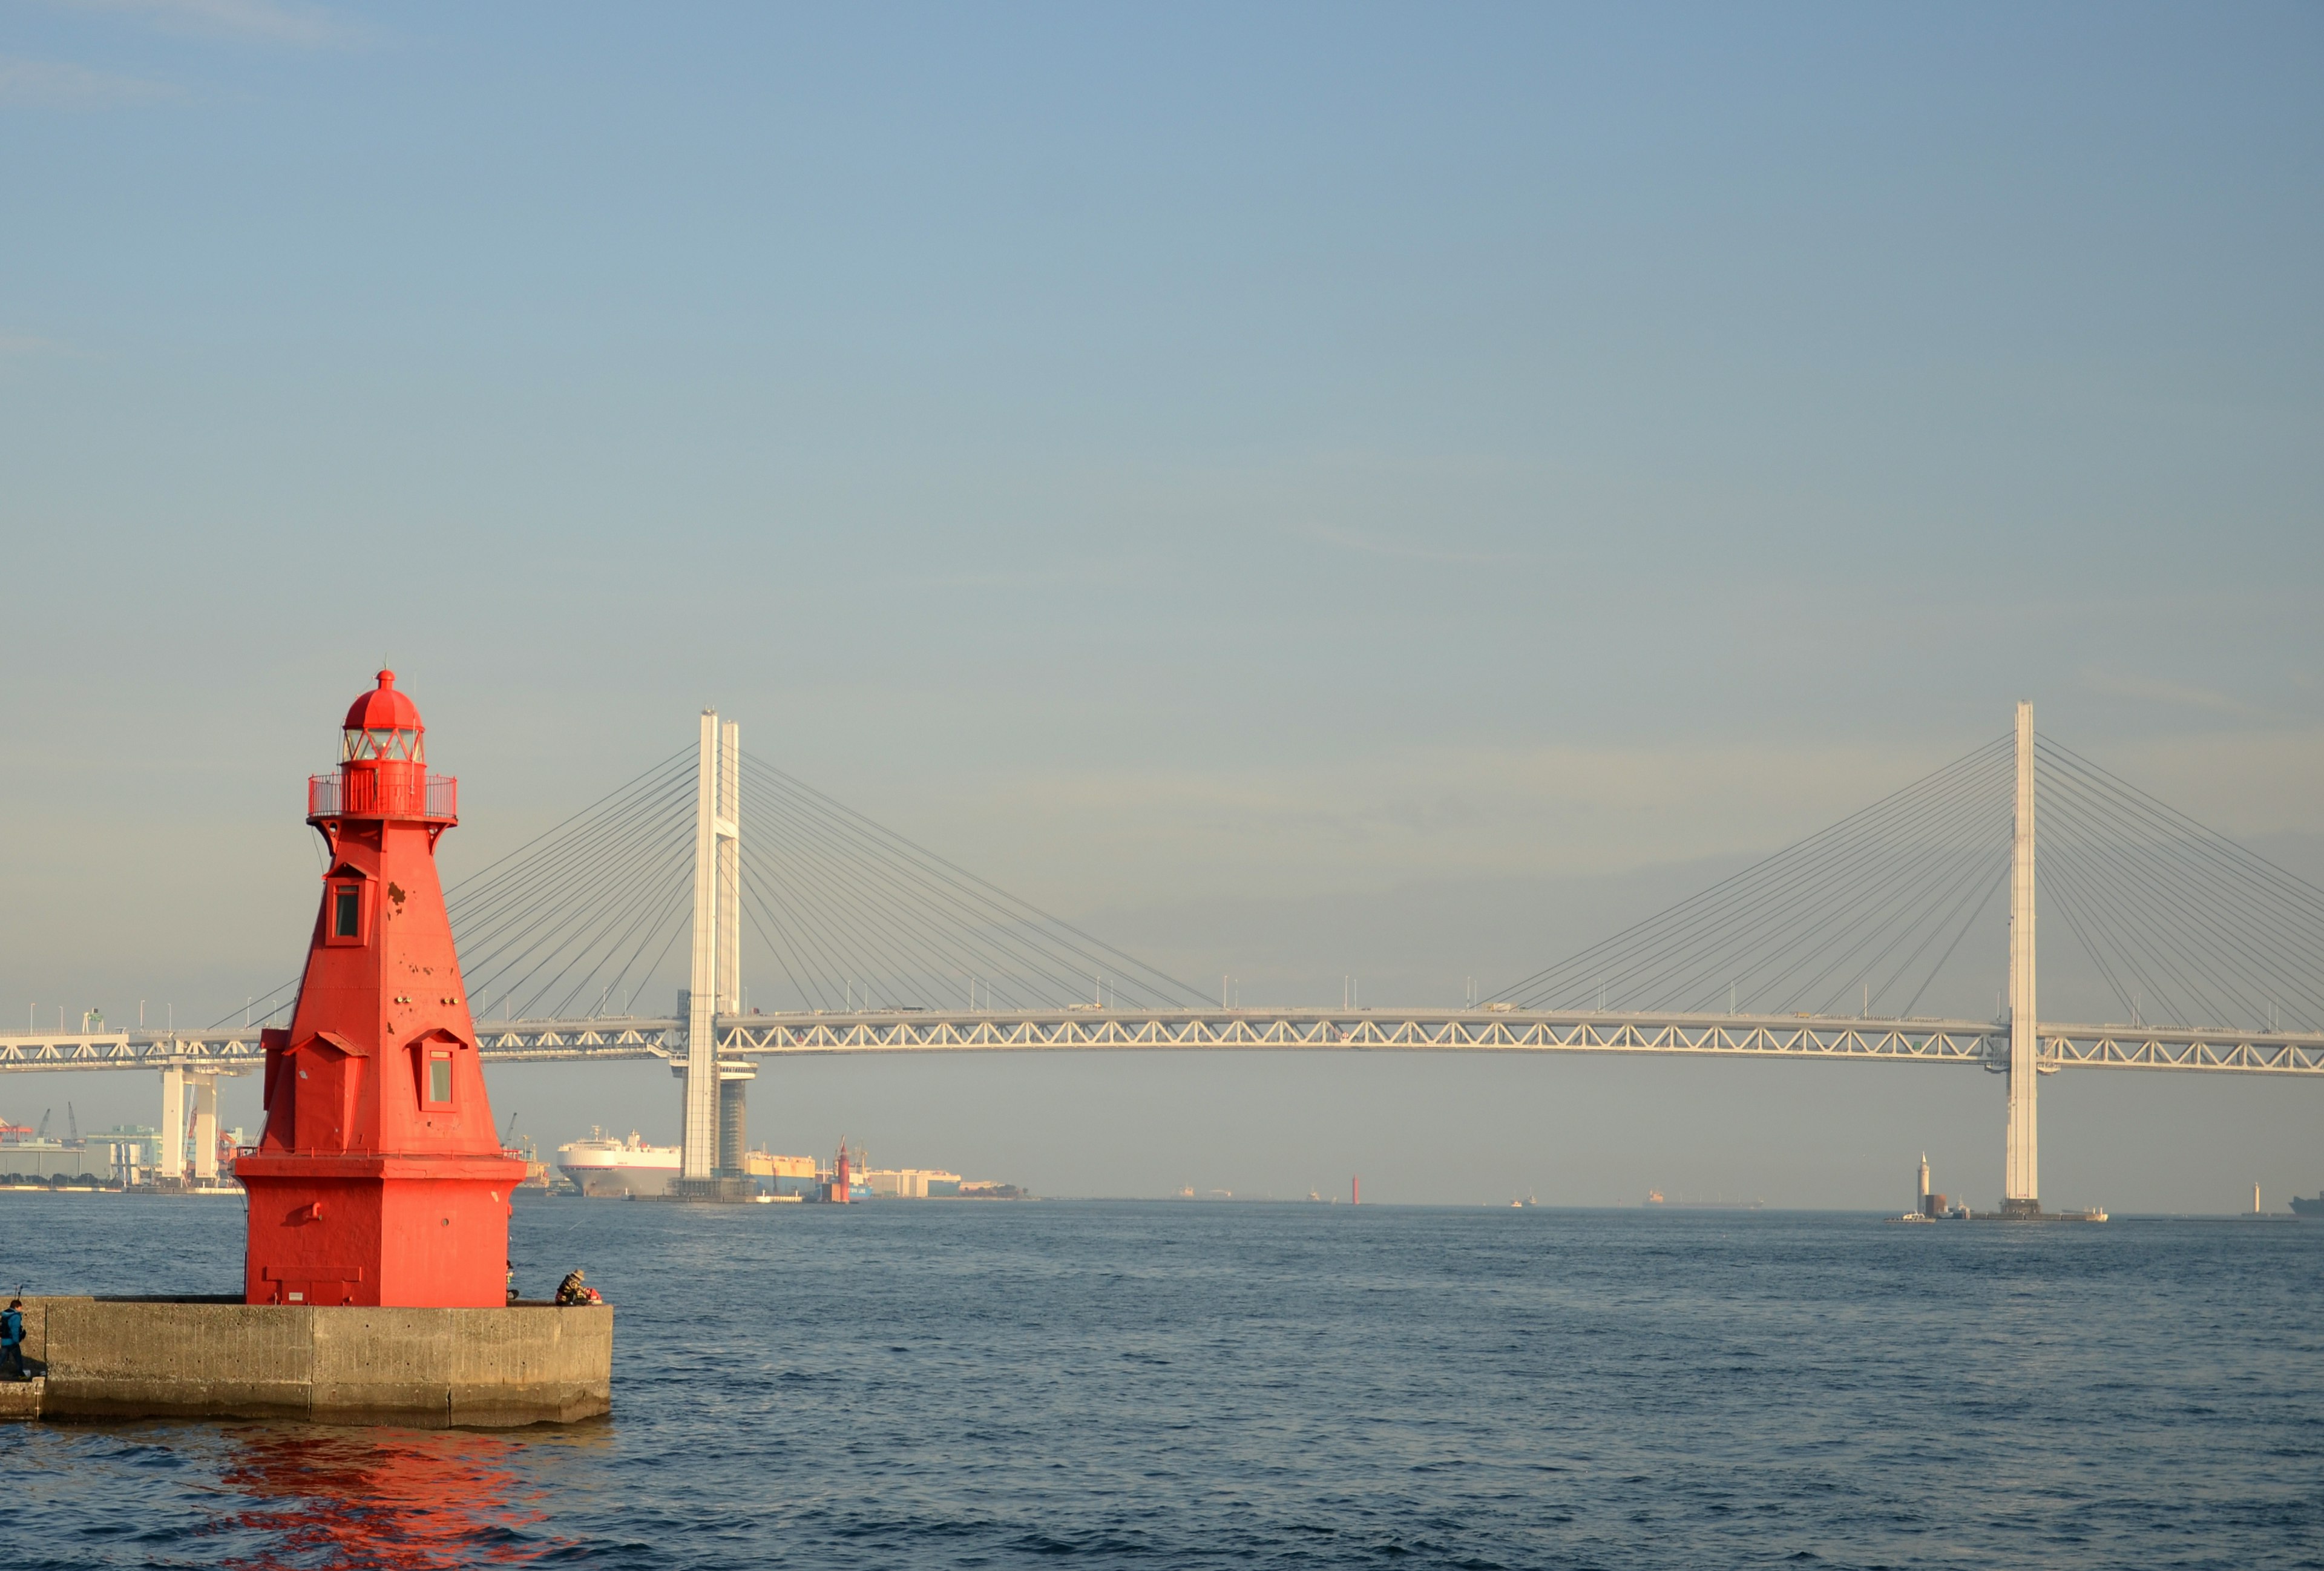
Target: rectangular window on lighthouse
439	1079
346	911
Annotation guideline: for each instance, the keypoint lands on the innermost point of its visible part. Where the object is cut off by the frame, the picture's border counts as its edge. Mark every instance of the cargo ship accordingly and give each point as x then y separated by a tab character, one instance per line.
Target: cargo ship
602	1165
1655	1200
2309	1208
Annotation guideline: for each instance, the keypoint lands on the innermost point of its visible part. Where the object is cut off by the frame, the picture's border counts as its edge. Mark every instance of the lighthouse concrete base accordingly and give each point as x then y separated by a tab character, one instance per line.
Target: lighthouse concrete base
116	1358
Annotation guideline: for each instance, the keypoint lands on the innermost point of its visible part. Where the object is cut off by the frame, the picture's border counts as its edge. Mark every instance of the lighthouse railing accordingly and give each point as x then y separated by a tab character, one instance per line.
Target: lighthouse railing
383	793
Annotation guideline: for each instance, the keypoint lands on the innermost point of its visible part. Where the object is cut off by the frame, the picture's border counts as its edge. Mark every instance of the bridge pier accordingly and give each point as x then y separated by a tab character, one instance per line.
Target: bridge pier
733	1115
2021	1187
732	1077
202	1080
205	1128
172	1169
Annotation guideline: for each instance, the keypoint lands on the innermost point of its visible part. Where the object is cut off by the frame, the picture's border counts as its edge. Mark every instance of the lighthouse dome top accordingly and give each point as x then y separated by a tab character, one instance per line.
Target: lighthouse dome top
383	723
384	709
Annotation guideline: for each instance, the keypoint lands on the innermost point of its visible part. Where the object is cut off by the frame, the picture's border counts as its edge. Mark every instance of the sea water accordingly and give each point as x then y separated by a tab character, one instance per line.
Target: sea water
979	1383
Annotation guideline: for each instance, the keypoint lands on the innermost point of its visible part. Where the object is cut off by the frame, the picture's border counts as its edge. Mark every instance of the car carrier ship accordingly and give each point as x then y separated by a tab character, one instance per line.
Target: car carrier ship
605	1167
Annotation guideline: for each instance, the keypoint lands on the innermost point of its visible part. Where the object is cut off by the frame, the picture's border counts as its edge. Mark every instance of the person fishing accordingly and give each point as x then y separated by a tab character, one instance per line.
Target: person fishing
12	1341
571	1291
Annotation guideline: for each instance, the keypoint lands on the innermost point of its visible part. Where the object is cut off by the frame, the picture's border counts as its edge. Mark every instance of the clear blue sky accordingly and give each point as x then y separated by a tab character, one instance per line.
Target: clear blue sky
1294	487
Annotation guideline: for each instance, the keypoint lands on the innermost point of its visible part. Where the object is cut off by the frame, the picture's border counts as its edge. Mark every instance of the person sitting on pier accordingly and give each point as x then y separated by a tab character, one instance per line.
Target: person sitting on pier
12	1341
571	1291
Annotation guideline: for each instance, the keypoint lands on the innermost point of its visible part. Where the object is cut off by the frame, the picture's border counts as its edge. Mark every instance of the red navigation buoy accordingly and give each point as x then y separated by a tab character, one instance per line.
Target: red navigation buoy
380	1177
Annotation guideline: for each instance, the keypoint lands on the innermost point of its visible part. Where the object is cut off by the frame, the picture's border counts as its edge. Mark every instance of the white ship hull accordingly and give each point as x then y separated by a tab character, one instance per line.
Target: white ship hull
615	1170
603	1183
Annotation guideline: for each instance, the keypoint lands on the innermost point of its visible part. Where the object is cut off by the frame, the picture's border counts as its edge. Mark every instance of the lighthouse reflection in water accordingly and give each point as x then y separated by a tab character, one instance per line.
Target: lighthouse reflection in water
409	1499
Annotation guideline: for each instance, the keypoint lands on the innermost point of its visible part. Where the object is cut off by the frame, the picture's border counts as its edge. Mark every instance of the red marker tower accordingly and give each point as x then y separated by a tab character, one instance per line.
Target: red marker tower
380	1178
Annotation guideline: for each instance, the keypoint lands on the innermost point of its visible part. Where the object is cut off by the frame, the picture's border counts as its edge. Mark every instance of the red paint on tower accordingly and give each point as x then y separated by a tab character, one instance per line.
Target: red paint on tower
1356	1190
380	1177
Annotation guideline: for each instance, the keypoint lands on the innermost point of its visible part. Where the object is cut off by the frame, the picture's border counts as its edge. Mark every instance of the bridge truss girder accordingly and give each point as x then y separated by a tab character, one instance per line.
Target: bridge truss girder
754	1036
1272	1031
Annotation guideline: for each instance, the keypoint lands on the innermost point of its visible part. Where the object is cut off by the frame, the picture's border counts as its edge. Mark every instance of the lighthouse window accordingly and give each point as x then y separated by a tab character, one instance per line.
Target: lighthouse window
346	911
440	1078
359	744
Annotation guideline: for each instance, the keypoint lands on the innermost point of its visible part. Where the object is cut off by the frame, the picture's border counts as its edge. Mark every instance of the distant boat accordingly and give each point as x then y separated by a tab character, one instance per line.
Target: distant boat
603	1167
1654	1197
2313	1207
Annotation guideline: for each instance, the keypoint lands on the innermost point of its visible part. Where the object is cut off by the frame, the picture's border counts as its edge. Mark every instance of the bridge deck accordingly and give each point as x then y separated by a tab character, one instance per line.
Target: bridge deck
1486	1029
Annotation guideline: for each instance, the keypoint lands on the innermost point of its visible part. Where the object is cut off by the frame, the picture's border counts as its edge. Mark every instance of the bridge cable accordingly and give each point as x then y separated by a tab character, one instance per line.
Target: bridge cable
936	911
561	921
896	923
1749	905
2243	940
1856	884
2156	884
953	949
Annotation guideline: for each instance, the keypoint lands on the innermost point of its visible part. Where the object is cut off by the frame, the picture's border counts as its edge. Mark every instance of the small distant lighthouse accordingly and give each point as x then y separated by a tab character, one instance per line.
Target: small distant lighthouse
380	1178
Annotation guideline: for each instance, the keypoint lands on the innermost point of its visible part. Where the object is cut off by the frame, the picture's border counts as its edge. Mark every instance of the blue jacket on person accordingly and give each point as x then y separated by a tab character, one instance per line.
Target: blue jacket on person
12	1328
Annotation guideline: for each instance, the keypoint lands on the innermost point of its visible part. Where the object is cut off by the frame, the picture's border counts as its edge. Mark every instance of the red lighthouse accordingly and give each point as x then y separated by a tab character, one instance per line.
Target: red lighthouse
380	1179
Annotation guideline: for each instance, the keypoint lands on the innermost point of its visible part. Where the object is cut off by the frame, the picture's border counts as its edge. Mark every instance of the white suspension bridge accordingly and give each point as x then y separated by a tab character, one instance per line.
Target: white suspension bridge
872	944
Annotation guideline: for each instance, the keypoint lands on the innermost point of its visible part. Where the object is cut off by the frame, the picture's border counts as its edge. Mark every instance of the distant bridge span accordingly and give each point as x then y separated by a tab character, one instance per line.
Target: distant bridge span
2173	917
1470	1031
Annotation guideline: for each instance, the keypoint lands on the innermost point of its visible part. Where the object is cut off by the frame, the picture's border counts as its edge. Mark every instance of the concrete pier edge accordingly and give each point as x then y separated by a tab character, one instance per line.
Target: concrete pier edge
220	1358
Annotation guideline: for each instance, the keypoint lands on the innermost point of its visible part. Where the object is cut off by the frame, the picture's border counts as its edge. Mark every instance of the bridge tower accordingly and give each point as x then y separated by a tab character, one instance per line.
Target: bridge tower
715	1124
2021	1185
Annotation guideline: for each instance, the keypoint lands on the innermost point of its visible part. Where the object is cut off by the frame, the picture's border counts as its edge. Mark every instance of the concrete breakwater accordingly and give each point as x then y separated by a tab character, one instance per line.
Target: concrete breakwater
131	1358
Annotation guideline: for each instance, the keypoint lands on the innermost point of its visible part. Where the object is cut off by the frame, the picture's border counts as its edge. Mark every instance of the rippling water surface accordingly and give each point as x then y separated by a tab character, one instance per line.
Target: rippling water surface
992	1384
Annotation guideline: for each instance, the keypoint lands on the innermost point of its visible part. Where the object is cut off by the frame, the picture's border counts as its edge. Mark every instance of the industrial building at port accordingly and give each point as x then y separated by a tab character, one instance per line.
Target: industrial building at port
131	1157
126	1155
